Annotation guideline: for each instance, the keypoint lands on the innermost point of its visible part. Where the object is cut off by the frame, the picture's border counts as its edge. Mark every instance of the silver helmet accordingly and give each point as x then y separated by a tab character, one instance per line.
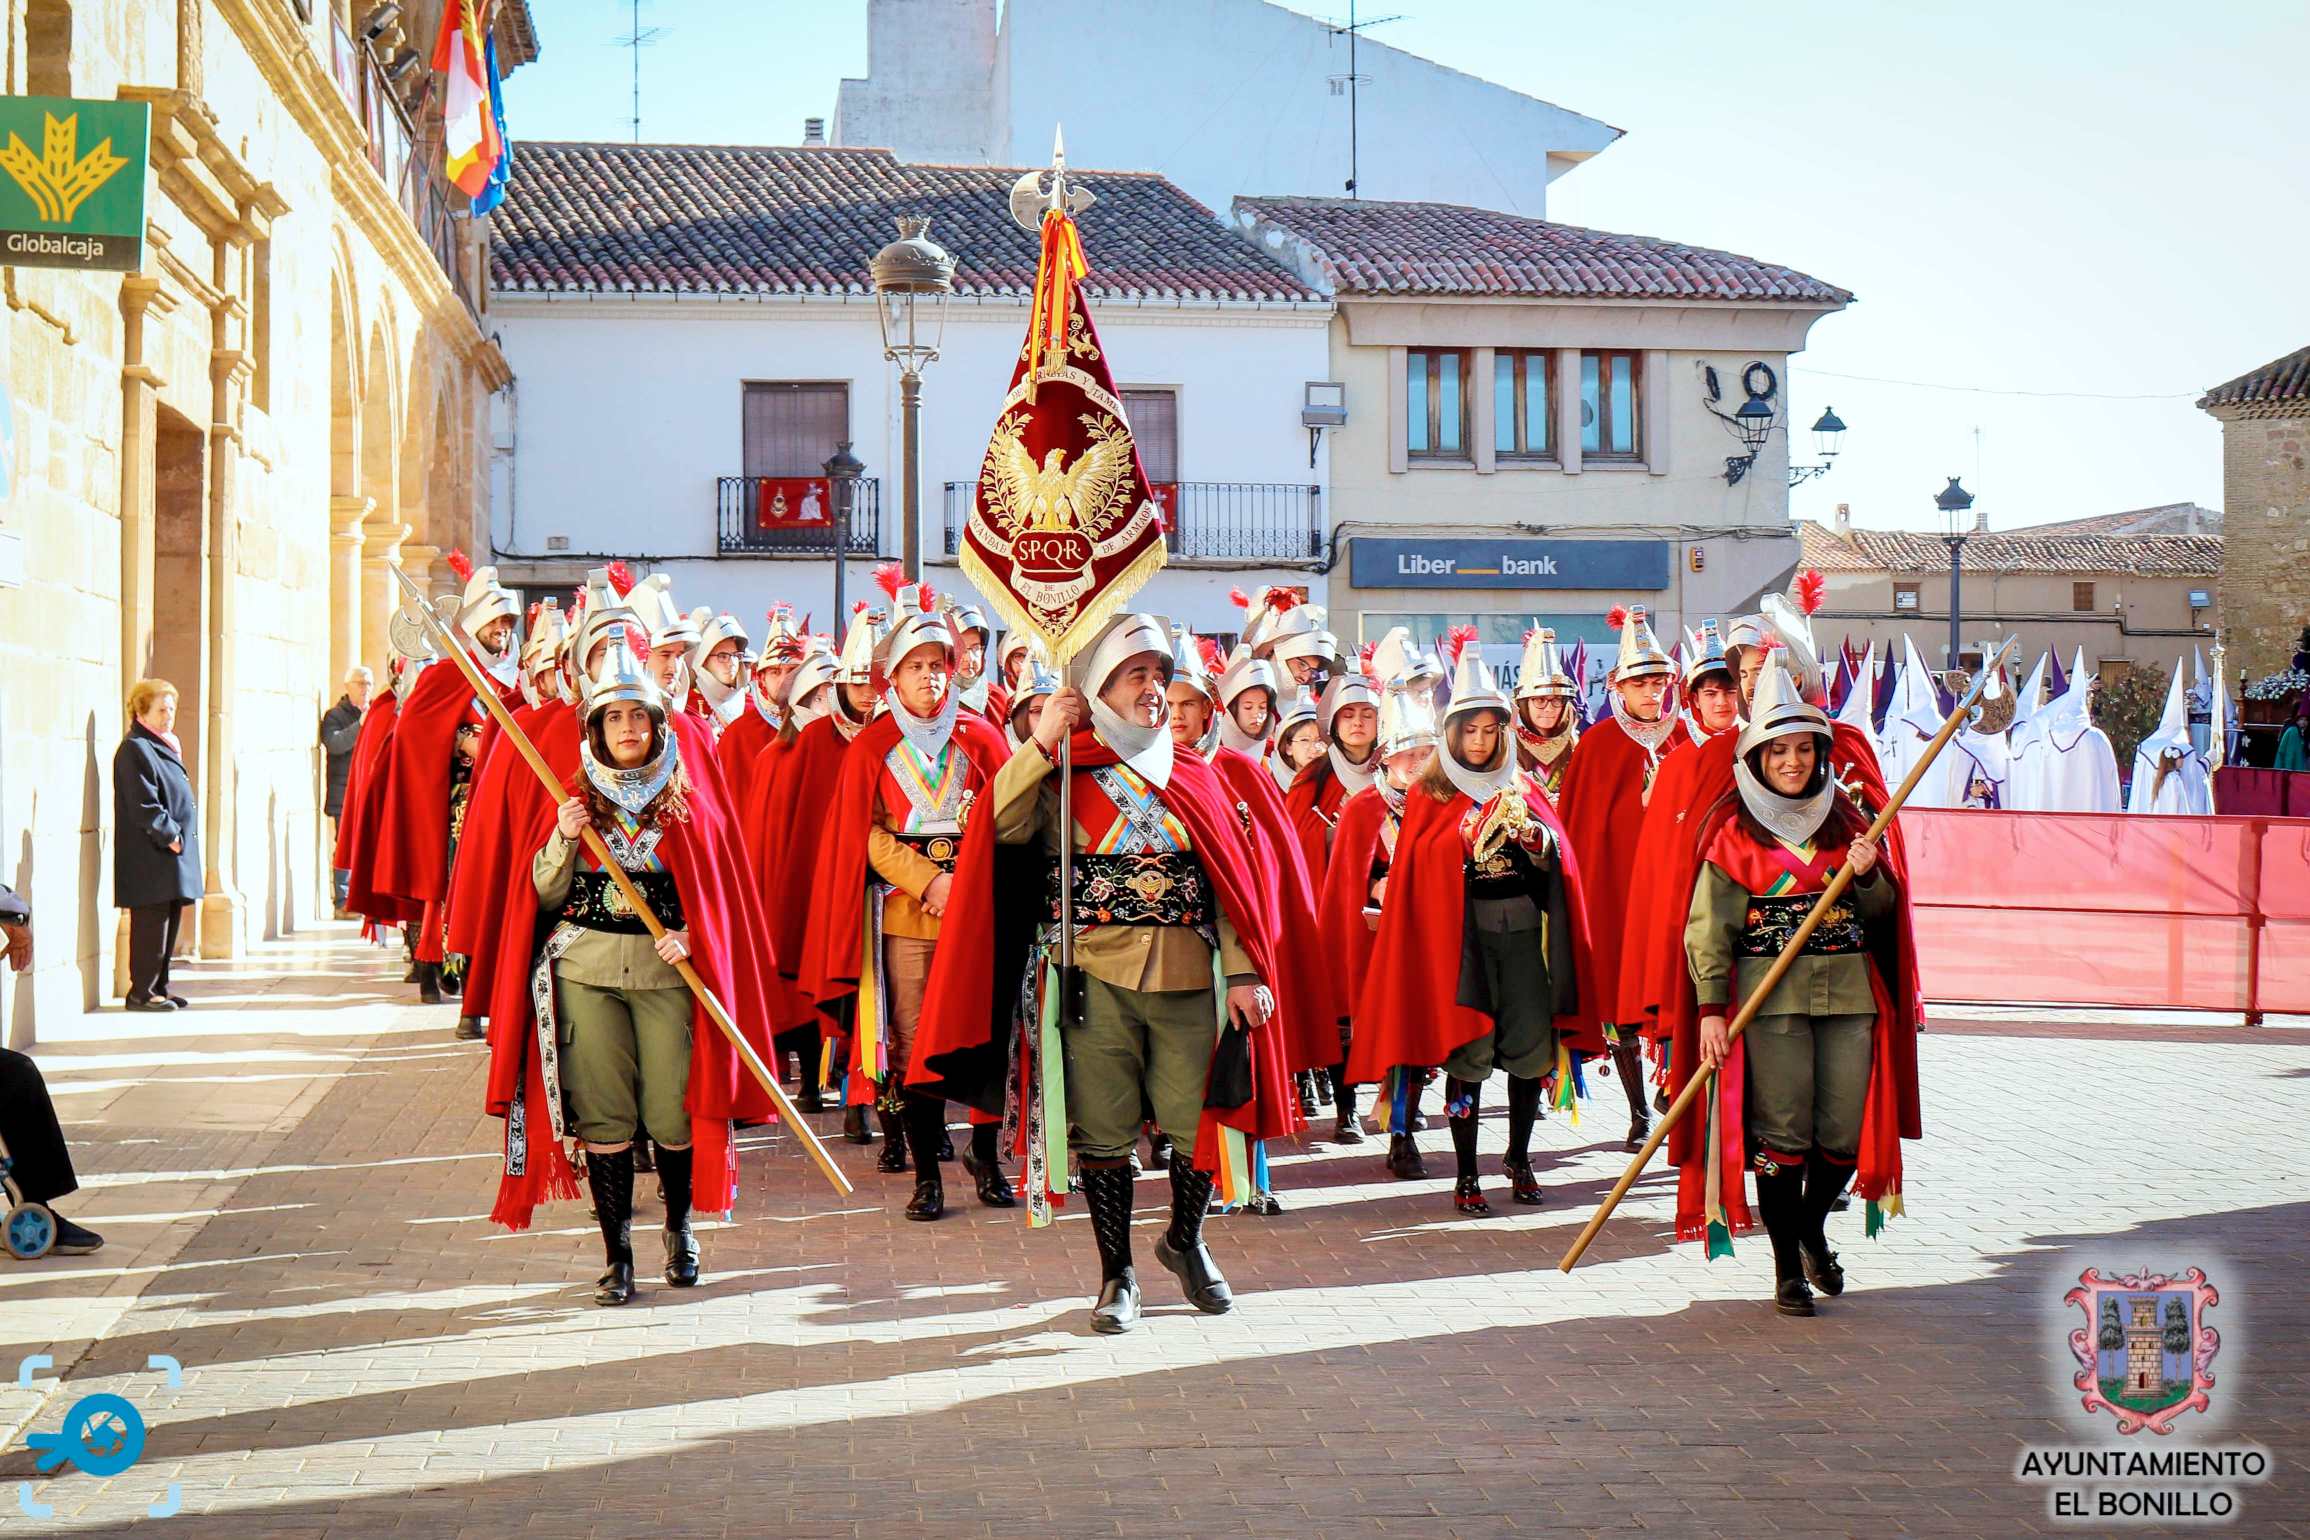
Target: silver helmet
621	676
1779	710
1125	637
1540	675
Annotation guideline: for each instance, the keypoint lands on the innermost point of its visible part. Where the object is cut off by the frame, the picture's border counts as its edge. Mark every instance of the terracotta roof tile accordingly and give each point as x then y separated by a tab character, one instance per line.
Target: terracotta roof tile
2280	388
722	219
1368	247
1901	550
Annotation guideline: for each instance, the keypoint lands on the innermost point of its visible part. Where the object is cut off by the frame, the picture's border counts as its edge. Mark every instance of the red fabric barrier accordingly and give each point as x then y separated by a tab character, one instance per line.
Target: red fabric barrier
2245	791
2121	910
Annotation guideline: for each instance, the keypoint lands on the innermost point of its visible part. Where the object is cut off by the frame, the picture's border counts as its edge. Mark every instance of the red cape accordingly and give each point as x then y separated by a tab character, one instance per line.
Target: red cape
364	812
794	821
967	1013
740	745
1314	801
412	837
1347	887
1409	1012
724	918
834	946
504	789
1603	811
376	730
1306	1013
1677	795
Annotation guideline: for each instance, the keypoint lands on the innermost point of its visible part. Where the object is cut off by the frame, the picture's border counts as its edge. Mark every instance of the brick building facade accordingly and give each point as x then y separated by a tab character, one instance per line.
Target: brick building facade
2265	417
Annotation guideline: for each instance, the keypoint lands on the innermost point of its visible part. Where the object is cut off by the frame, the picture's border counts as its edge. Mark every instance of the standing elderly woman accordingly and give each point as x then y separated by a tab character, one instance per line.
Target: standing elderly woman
156	860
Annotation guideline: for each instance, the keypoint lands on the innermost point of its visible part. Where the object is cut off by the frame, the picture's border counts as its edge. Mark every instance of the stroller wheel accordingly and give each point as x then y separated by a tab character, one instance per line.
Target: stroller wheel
30	1230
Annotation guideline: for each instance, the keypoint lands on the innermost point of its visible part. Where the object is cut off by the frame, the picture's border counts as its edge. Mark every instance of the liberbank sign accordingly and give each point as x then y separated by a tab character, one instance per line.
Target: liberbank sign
1508	562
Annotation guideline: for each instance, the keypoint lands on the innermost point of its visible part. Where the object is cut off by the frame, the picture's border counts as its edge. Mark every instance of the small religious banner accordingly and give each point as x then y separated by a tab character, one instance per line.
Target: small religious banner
1064	527
793	502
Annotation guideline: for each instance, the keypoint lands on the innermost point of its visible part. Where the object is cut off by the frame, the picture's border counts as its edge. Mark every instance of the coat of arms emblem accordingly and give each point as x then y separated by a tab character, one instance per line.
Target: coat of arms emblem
2145	1354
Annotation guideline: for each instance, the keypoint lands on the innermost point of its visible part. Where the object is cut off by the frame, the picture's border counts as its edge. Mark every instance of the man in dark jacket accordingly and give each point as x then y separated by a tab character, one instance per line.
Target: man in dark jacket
340	731
156	855
40	1166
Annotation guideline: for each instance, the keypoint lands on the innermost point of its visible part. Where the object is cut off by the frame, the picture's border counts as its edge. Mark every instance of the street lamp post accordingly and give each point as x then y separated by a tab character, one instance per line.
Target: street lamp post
842	472
913	276
1956	505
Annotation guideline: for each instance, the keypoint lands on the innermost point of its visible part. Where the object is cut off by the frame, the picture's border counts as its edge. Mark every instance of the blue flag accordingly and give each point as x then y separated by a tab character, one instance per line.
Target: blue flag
493	194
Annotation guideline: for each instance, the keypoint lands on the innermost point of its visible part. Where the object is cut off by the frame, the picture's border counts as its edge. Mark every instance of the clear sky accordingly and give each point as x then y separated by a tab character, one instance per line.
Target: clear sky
2043	205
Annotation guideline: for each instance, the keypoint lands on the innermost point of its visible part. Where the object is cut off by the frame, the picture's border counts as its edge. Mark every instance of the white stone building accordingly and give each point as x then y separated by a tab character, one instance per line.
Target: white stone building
1221	96
692	332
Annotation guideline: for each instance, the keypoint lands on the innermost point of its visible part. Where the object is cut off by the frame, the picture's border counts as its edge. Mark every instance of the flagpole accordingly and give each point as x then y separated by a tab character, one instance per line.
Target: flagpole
1781	964
444	641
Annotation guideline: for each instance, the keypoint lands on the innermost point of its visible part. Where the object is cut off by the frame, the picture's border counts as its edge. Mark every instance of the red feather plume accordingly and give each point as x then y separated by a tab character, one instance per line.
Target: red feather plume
1812	589
1239	598
638	640
929	598
1281	599
1214	661
1456	641
462	565
858	607
890	577
1366	659
1617	616
621	578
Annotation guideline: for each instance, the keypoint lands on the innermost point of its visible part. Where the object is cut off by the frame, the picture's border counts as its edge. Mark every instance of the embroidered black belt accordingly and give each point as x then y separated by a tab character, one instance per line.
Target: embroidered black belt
1166	888
594	902
939	848
1772	924
1498	875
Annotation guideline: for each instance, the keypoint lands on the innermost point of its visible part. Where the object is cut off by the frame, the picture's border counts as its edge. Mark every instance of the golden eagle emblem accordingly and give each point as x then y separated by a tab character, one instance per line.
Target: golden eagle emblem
1053	495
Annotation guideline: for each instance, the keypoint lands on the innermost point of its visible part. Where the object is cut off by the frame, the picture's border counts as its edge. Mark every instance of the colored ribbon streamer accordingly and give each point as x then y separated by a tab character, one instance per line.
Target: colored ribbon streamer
1060	267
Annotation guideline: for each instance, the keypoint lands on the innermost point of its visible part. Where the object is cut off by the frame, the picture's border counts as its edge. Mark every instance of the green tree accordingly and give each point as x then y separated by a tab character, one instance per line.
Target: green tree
2113	1332
2128	709
2177	1327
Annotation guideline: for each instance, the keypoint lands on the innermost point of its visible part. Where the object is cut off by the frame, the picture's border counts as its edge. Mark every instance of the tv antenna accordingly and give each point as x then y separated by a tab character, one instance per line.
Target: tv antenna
1352	28
638	39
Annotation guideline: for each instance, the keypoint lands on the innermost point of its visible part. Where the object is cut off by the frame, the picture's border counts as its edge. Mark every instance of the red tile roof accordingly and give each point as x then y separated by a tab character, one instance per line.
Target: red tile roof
2280	388
1367	247
1901	550
723	219
2164	519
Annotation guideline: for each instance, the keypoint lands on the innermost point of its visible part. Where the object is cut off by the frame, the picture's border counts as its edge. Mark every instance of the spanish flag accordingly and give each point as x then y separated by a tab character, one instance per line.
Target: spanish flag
470	138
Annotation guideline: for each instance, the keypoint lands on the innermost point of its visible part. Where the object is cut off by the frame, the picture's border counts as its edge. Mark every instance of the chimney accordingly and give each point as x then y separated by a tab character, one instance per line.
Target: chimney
1980	521
813	130
1844	518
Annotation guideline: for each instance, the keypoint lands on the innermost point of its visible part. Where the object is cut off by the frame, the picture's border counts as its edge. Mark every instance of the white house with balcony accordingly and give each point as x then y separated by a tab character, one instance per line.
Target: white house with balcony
693	333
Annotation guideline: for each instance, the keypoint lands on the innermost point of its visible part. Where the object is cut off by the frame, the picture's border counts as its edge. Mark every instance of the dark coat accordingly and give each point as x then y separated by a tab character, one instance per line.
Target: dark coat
152	807
340	730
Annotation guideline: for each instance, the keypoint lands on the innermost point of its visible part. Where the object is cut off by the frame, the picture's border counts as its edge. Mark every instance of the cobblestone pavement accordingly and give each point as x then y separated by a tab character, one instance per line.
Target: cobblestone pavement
295	1182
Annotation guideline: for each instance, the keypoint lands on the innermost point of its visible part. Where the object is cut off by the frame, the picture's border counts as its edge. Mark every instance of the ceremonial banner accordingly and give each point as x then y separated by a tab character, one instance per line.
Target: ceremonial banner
793	502
1064	527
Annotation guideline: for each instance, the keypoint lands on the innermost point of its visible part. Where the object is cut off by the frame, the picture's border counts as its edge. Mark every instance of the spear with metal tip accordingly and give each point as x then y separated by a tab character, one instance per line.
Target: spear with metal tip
445	642
1781	964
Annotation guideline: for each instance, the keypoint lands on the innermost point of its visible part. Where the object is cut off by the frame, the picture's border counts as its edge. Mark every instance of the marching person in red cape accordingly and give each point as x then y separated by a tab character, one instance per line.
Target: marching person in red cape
357	829
598	1039
1363	849
480	843
1605	787
1712	711
1166	894
1298	739
1248	694
885	880
1037	684
1306	1015
794	800
1011	665
1824	1081
722	667
973	662
1280	626
1482	959
411	847
754	725
1547	726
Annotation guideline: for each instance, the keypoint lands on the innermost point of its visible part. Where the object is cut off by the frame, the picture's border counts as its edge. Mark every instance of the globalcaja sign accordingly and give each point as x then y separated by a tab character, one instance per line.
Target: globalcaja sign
1508	562
72	176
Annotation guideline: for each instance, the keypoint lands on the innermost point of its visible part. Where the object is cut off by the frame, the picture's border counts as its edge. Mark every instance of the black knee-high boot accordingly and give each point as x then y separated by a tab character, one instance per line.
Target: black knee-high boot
1523	1112
674	1168
925	1127
890	1112
1107	1191
1628	1059
1781	1205
984	1163
1462	1098
1349	1128
1182	1250
611	1178
1825	1181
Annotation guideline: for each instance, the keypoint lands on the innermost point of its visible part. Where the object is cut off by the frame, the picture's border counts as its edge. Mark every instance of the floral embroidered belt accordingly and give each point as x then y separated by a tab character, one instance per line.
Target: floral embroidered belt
1772	924
938	848
594	902
1152	888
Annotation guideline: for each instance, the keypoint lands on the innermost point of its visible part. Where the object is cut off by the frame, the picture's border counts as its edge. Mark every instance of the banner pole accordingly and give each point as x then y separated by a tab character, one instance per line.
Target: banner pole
446	641
1781	965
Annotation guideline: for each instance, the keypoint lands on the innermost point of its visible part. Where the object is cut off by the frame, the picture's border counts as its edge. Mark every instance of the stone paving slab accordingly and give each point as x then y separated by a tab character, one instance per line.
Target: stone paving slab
296	1198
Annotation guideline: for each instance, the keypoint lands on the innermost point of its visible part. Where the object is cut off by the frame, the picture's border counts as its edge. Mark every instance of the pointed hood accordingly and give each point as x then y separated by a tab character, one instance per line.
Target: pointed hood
2070	710
2173	729
1855	711
1917	699
2025	703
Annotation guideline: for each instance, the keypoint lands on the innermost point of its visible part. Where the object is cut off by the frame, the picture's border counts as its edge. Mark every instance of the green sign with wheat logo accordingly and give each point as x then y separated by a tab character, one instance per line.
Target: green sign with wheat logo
72	182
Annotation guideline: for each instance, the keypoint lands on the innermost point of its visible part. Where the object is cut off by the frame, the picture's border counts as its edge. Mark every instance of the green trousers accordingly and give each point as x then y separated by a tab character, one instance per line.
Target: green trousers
626	1061
1808	1077
1523	1036
1137	1049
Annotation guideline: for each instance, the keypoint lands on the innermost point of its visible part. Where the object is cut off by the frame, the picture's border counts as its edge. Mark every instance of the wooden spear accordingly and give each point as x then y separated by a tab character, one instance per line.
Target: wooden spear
445	642
1781	964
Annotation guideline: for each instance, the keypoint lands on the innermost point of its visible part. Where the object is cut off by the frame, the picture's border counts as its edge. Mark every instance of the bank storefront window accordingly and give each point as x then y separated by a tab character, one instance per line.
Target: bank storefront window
1501	634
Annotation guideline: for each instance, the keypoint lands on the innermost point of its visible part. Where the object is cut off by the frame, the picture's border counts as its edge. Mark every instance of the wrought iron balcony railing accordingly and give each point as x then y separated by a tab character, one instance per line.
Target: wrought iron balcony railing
792	516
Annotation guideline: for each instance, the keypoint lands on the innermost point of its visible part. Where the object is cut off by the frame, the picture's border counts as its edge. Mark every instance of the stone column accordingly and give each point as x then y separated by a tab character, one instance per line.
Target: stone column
347	535
381	550
139	296
223	908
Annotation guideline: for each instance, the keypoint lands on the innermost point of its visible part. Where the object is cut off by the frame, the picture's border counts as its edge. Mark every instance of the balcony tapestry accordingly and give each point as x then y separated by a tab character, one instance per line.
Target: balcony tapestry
1063	527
